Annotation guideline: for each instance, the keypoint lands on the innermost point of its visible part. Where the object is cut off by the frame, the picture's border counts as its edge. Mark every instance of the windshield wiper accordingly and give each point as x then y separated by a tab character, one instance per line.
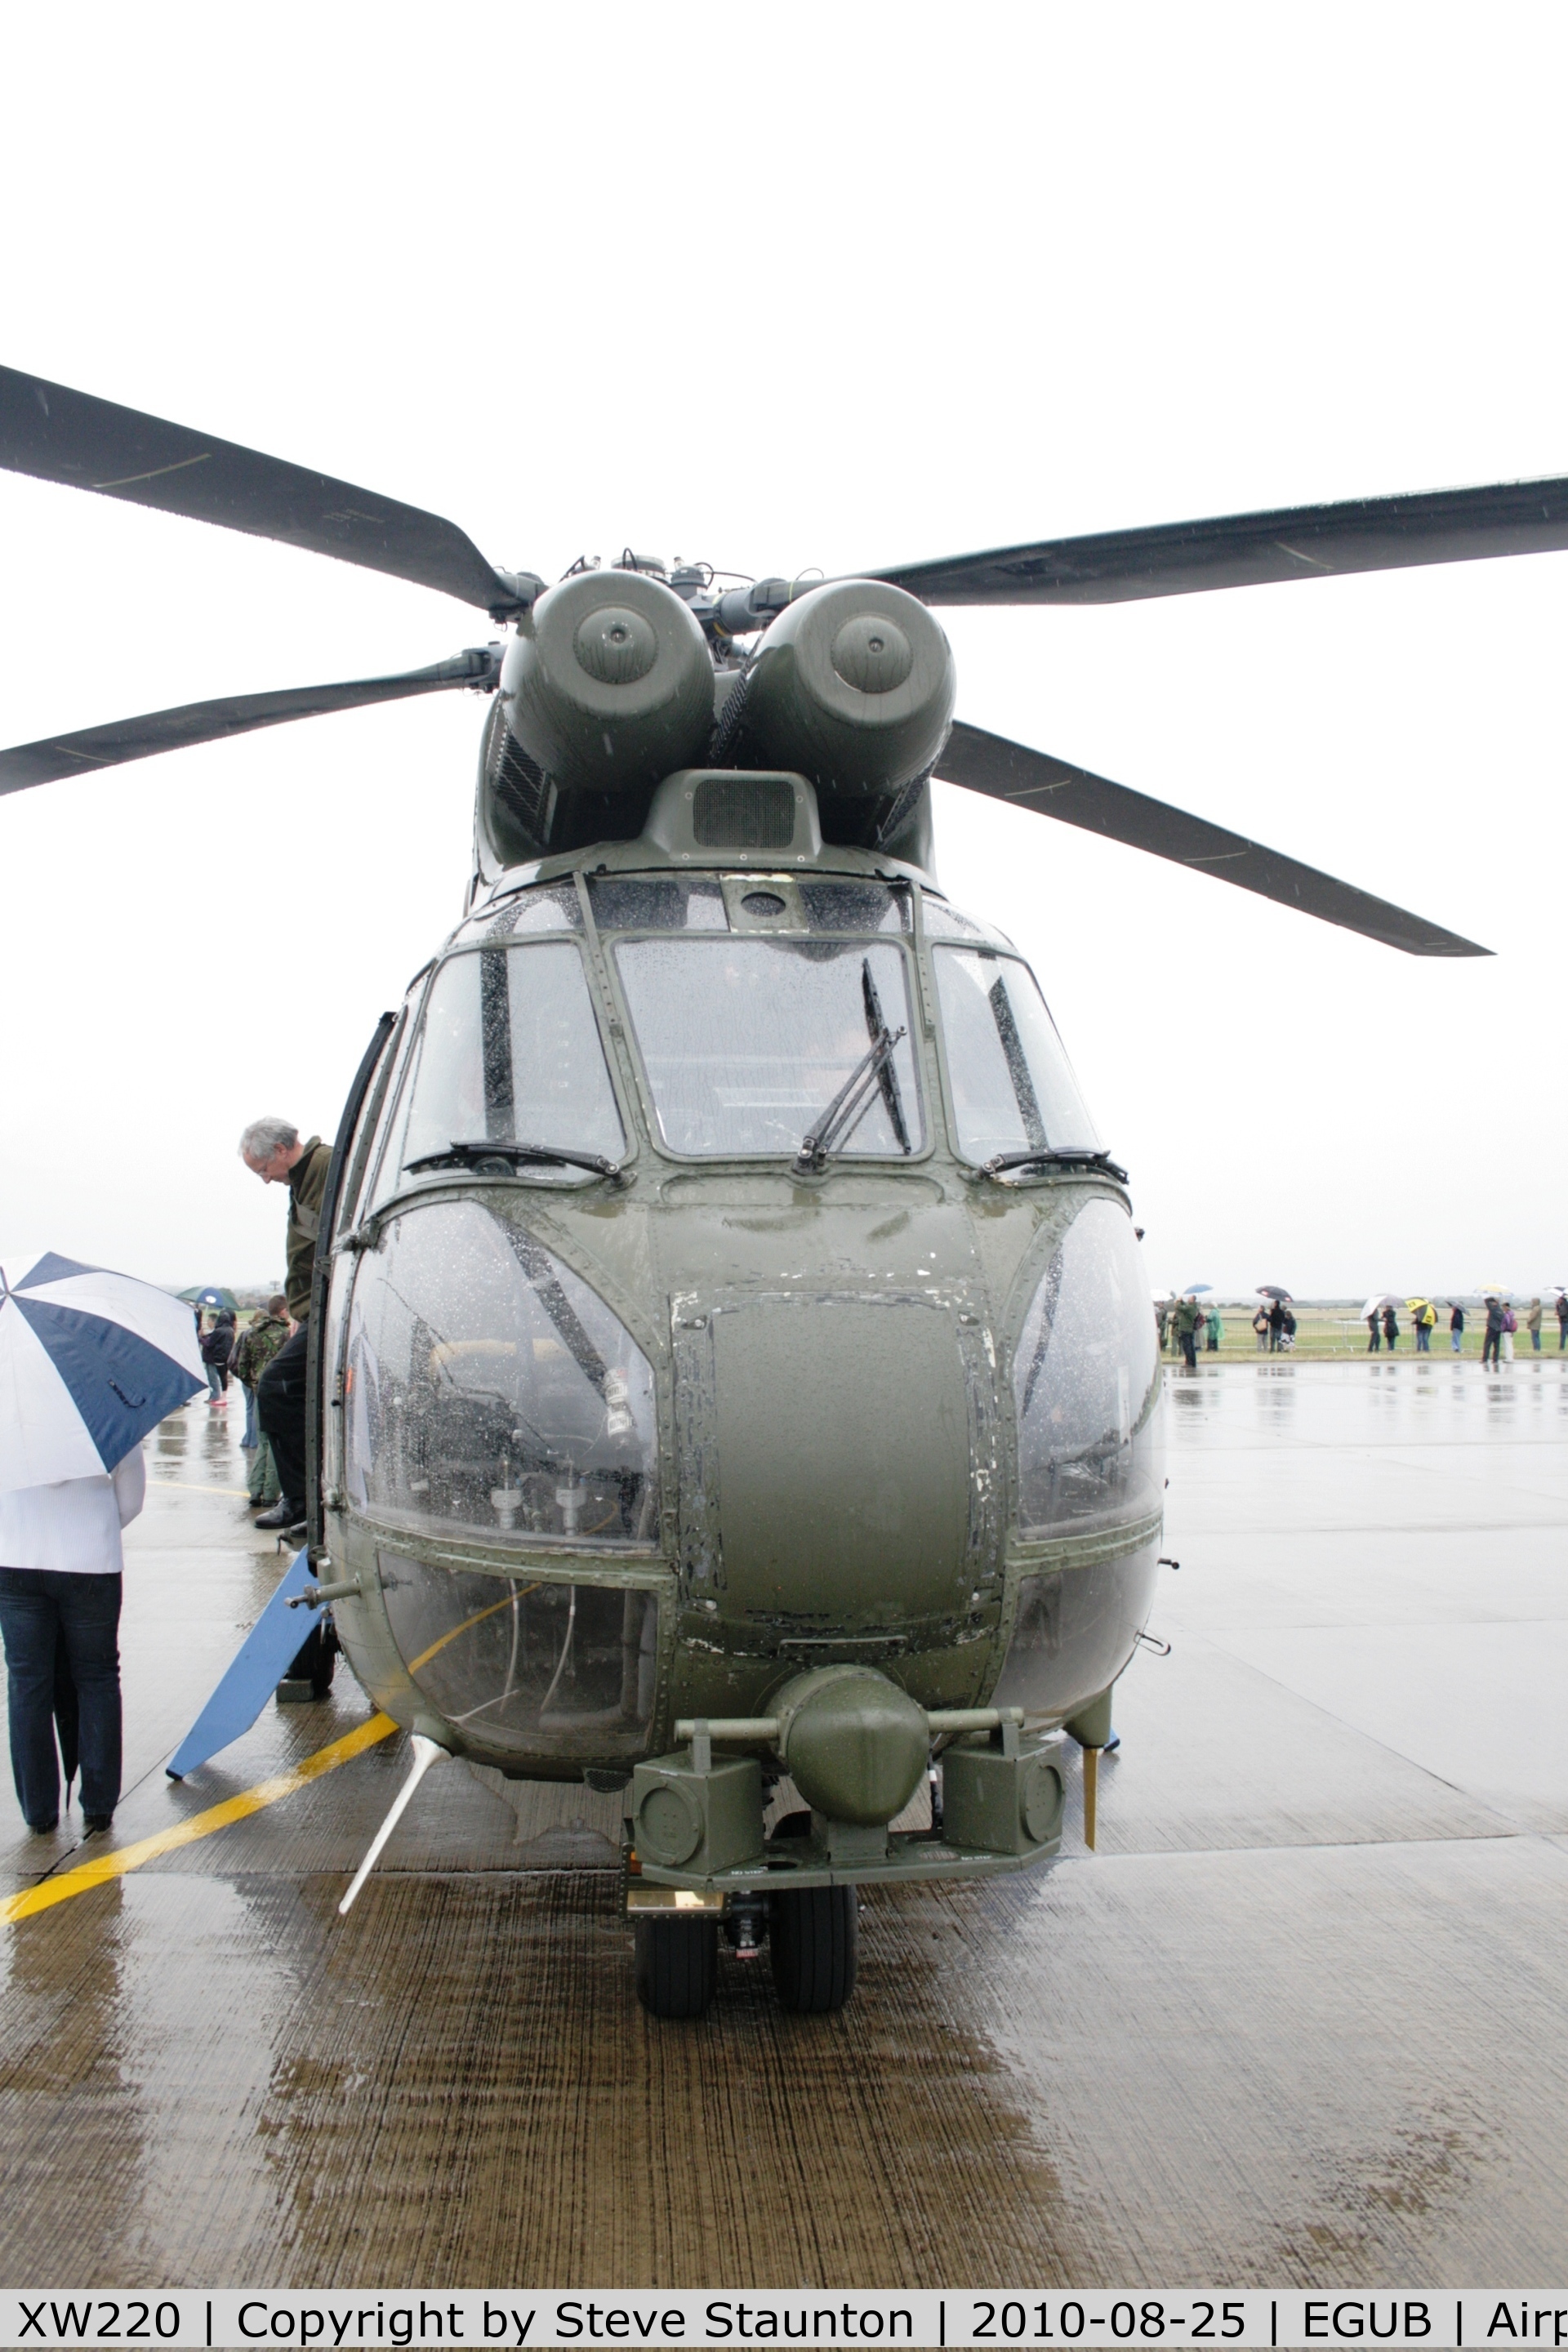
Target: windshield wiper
887	1077
838	1122
470	1155
1065	1157
873	1074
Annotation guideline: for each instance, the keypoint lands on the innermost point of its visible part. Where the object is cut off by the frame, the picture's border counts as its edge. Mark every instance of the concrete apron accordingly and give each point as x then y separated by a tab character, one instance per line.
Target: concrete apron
1305	2016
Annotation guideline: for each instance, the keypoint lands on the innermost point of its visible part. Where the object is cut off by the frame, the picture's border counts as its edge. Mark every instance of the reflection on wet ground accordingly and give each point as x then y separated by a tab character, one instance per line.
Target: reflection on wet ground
1303	2016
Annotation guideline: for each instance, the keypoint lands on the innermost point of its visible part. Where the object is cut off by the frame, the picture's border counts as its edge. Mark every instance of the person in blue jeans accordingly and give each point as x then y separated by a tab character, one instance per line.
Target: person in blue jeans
60	1579
217	1346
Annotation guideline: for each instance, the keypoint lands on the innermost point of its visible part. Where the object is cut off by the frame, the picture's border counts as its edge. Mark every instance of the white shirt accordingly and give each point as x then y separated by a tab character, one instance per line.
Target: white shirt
75	1524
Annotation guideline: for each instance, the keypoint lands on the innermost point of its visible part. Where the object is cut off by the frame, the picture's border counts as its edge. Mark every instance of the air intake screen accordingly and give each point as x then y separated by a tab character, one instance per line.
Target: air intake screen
743	813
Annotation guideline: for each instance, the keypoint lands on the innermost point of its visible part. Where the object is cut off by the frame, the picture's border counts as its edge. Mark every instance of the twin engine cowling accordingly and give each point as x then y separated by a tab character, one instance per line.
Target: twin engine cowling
609	688
608	685
852	687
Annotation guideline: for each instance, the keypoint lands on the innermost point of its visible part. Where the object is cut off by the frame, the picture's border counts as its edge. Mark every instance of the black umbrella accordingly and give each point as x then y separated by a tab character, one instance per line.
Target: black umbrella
1272	1290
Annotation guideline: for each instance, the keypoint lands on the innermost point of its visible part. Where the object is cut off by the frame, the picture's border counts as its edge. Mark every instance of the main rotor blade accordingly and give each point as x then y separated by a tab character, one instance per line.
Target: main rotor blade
1033	780
1180	559
238	714
61	435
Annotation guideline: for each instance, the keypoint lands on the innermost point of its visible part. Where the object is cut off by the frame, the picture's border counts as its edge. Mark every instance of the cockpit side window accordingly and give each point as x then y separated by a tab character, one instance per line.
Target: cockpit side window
507	1050
1012	1084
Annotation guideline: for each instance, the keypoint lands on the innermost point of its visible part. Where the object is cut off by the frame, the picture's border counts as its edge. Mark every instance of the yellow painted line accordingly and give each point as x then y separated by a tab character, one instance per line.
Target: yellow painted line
51	1891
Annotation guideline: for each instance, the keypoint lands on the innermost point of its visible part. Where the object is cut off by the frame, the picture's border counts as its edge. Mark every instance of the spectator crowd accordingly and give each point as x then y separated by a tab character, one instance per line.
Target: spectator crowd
1189	1325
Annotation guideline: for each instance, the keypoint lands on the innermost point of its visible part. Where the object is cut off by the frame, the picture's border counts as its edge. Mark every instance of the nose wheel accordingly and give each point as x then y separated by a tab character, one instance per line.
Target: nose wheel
676	1964
812	1937
814	1934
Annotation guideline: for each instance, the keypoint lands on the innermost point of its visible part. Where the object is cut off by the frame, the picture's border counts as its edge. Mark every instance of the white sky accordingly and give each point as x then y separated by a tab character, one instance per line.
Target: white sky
826	285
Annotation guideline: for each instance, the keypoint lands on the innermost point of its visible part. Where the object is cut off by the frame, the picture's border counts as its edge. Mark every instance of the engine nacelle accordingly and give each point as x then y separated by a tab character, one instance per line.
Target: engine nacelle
609	684
853	686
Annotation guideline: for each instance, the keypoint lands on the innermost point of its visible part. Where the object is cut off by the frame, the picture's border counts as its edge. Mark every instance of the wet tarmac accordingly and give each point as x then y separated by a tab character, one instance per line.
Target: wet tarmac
1302	2018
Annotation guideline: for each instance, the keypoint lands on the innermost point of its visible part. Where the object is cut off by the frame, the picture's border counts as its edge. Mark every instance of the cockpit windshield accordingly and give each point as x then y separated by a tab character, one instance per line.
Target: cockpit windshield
747	1040
507	1053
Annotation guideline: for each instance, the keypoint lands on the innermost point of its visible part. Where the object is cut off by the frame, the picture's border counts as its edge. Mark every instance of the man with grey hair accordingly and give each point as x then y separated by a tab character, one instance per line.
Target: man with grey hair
263	1137
271	1148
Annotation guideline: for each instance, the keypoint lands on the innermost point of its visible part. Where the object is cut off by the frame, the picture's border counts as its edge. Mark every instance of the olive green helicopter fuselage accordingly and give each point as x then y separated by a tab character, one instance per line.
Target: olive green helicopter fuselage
726	1285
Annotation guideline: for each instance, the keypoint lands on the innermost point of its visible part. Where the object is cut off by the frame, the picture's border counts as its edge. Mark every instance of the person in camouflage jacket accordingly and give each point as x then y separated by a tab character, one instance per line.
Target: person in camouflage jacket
257	1344
260	1342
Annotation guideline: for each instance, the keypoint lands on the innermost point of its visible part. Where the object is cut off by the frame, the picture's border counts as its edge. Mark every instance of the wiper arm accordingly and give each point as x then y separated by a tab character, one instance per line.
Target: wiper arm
833	1130
470	1155
1067	1157
887	1077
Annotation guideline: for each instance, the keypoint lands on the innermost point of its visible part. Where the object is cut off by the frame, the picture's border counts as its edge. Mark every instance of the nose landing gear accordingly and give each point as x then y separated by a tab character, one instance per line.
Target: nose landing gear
856	1748
745	1924
810	1932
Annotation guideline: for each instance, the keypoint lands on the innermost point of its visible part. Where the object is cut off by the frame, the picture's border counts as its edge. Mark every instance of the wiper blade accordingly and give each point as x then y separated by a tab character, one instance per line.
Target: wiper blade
470	1155
887	1077
837	1123
873	1074
1067	1157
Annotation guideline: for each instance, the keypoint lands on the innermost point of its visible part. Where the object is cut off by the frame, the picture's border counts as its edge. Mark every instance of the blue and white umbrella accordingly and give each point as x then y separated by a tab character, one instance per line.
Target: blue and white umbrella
90	1361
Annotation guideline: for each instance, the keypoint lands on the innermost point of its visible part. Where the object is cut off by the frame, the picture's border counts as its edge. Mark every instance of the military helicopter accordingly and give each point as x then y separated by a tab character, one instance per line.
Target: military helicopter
734	1369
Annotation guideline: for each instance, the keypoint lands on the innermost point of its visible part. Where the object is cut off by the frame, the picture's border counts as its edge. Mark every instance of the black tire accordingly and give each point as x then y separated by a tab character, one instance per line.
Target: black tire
312	1662
813	1936
326	1660
676	1964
